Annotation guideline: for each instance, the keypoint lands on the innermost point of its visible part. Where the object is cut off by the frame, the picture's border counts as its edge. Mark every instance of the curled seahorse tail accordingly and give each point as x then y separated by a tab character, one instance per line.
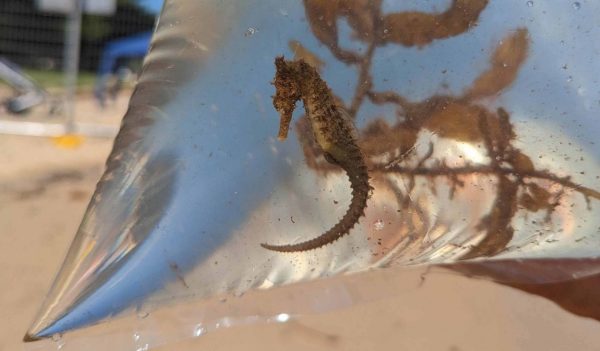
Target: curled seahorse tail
359	182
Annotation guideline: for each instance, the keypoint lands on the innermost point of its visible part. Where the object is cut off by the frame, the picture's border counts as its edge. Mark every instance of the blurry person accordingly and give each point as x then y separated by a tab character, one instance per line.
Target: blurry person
130	47
115	51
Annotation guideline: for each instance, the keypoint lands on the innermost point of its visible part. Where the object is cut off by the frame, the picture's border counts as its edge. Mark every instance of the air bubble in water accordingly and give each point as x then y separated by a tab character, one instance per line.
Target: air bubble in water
199	330
136	336
530	3
250	32
282	317
379	224
145	347
141	314
57	338
576	5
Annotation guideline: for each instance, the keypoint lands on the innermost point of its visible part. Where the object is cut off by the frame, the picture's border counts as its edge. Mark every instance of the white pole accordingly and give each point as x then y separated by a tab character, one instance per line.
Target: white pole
71	61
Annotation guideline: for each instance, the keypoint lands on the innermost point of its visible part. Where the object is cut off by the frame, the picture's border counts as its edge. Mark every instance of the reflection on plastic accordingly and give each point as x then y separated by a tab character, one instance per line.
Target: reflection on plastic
193	318
479	147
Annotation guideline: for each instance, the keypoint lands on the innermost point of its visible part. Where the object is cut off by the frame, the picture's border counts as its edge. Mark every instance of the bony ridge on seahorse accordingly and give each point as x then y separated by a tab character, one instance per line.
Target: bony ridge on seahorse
334	133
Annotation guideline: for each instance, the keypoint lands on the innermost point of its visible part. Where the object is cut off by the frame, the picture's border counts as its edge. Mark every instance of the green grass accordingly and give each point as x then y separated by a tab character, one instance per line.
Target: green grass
56	79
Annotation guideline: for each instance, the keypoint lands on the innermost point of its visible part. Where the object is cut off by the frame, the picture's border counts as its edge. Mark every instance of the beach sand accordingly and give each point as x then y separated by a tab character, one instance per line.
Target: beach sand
44	190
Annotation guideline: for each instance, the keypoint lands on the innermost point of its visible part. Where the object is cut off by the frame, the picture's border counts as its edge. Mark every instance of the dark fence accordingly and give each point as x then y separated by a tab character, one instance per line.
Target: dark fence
35	39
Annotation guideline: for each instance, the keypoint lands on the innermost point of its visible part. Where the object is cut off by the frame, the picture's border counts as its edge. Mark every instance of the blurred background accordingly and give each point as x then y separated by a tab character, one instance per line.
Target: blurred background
68	62
66	75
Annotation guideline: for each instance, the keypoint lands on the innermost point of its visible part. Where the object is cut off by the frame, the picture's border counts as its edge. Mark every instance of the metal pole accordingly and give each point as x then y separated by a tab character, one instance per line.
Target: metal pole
70	70
71	61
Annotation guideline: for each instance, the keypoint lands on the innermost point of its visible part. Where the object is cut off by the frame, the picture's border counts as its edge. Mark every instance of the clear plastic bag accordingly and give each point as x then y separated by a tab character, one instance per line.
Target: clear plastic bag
477	120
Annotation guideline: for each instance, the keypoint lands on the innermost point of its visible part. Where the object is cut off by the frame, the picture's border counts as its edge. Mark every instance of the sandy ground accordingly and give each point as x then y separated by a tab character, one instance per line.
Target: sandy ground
44	190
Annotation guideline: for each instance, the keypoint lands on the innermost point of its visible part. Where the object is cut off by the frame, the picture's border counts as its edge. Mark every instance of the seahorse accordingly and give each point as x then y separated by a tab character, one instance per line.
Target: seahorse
335	134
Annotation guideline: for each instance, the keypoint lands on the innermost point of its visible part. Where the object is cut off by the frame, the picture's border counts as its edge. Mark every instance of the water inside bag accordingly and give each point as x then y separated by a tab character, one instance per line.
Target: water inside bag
478	121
